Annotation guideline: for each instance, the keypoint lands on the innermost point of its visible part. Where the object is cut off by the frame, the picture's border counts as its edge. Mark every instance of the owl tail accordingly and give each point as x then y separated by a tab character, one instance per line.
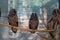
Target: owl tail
14	30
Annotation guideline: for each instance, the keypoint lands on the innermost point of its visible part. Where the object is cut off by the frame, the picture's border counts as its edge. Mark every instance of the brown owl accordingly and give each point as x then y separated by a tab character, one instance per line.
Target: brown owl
13	19
0	12
33	22
54	23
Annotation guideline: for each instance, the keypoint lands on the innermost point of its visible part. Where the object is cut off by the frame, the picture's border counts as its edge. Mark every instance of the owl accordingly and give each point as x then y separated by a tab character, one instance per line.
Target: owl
0	12
33	22
54	23
13	19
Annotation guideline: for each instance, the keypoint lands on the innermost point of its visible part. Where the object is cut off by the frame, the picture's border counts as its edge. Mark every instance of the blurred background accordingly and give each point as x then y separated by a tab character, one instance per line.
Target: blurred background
25	8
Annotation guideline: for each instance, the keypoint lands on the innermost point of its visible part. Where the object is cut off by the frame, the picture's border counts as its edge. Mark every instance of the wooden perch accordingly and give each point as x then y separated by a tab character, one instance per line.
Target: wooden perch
25	29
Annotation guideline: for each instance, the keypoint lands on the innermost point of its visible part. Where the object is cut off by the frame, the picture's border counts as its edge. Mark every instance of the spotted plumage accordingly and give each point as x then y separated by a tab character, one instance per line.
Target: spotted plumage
33	22
13	19
54	24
